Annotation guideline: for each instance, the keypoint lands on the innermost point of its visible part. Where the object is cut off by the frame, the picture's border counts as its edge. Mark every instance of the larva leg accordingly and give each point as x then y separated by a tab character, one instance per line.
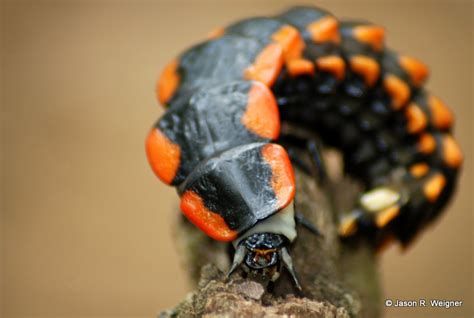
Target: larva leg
302	220
292	144
298	161
314	147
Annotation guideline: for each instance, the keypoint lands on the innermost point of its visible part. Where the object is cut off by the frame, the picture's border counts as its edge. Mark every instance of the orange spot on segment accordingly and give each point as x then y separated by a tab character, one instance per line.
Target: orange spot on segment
433	187
324	30
209	222
398	90
387	215
283	179
163	155
452	154
371	35
416	118
367	67
441	116
417	71
291	42
267	65
262	116
216	33
168	82
419	170
426	143
332	64
348	226
299	67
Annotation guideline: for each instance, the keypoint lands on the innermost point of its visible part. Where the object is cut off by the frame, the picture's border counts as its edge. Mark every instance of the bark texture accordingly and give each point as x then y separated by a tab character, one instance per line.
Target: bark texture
337	280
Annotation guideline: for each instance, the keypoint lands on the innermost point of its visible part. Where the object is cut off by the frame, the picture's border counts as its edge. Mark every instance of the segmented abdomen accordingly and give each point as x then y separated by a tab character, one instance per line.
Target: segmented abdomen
336	79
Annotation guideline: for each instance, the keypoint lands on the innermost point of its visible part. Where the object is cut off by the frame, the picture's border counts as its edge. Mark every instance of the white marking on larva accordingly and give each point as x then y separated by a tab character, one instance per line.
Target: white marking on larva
282	222
379	199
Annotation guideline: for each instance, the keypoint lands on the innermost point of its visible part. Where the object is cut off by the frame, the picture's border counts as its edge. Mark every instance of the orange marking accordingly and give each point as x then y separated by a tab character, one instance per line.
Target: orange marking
452	154
387	215
216	33
367	67
441	116
163	155
291	42
332	64
433	187
419	170
264	252
283	179
426	143
371	35
209	222
398	90
262	116
348	226
416	118
417	71
267	65
299	67
324	30
168	82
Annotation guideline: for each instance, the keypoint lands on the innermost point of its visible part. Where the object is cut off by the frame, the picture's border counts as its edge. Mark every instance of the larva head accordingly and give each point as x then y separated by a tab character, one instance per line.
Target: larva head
263	255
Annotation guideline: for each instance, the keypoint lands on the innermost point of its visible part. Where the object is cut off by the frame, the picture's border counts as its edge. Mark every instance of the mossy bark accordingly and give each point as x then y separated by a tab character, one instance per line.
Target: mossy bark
337	280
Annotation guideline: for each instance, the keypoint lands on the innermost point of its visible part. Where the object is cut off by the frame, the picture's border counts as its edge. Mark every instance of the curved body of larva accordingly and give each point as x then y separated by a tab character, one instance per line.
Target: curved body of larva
218	140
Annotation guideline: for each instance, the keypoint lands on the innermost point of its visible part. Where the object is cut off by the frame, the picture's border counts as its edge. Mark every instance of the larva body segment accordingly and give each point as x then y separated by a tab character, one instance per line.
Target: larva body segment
226	96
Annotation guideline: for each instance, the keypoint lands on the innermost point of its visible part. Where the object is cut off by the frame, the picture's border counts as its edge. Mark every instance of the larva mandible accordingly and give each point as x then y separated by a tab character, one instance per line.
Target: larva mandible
218	142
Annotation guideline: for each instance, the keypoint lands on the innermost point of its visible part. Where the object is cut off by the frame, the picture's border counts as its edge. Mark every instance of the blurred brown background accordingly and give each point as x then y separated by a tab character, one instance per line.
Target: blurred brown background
86	225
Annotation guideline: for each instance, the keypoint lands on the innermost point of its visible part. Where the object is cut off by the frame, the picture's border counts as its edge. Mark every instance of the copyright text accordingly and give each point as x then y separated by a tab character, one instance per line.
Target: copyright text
442	303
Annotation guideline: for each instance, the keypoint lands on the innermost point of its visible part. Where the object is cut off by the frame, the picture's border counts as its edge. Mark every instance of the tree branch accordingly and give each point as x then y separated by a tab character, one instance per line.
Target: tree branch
337	280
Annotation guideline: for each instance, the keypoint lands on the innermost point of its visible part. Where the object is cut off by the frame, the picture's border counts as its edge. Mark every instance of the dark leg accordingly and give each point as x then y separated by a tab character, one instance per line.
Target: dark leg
314	147
298	161
300	219
291	144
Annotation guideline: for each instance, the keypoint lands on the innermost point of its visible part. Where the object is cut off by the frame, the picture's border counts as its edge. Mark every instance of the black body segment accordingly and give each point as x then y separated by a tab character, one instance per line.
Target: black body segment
230	192
237	185
318	29
213	63
260	28
226	97
209	123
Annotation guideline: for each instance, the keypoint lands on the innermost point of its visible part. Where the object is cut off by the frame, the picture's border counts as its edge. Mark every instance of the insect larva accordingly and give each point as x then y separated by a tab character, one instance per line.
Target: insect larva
218	140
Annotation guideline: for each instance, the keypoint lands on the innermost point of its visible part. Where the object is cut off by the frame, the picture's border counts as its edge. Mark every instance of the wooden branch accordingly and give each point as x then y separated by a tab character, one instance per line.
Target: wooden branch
337	280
